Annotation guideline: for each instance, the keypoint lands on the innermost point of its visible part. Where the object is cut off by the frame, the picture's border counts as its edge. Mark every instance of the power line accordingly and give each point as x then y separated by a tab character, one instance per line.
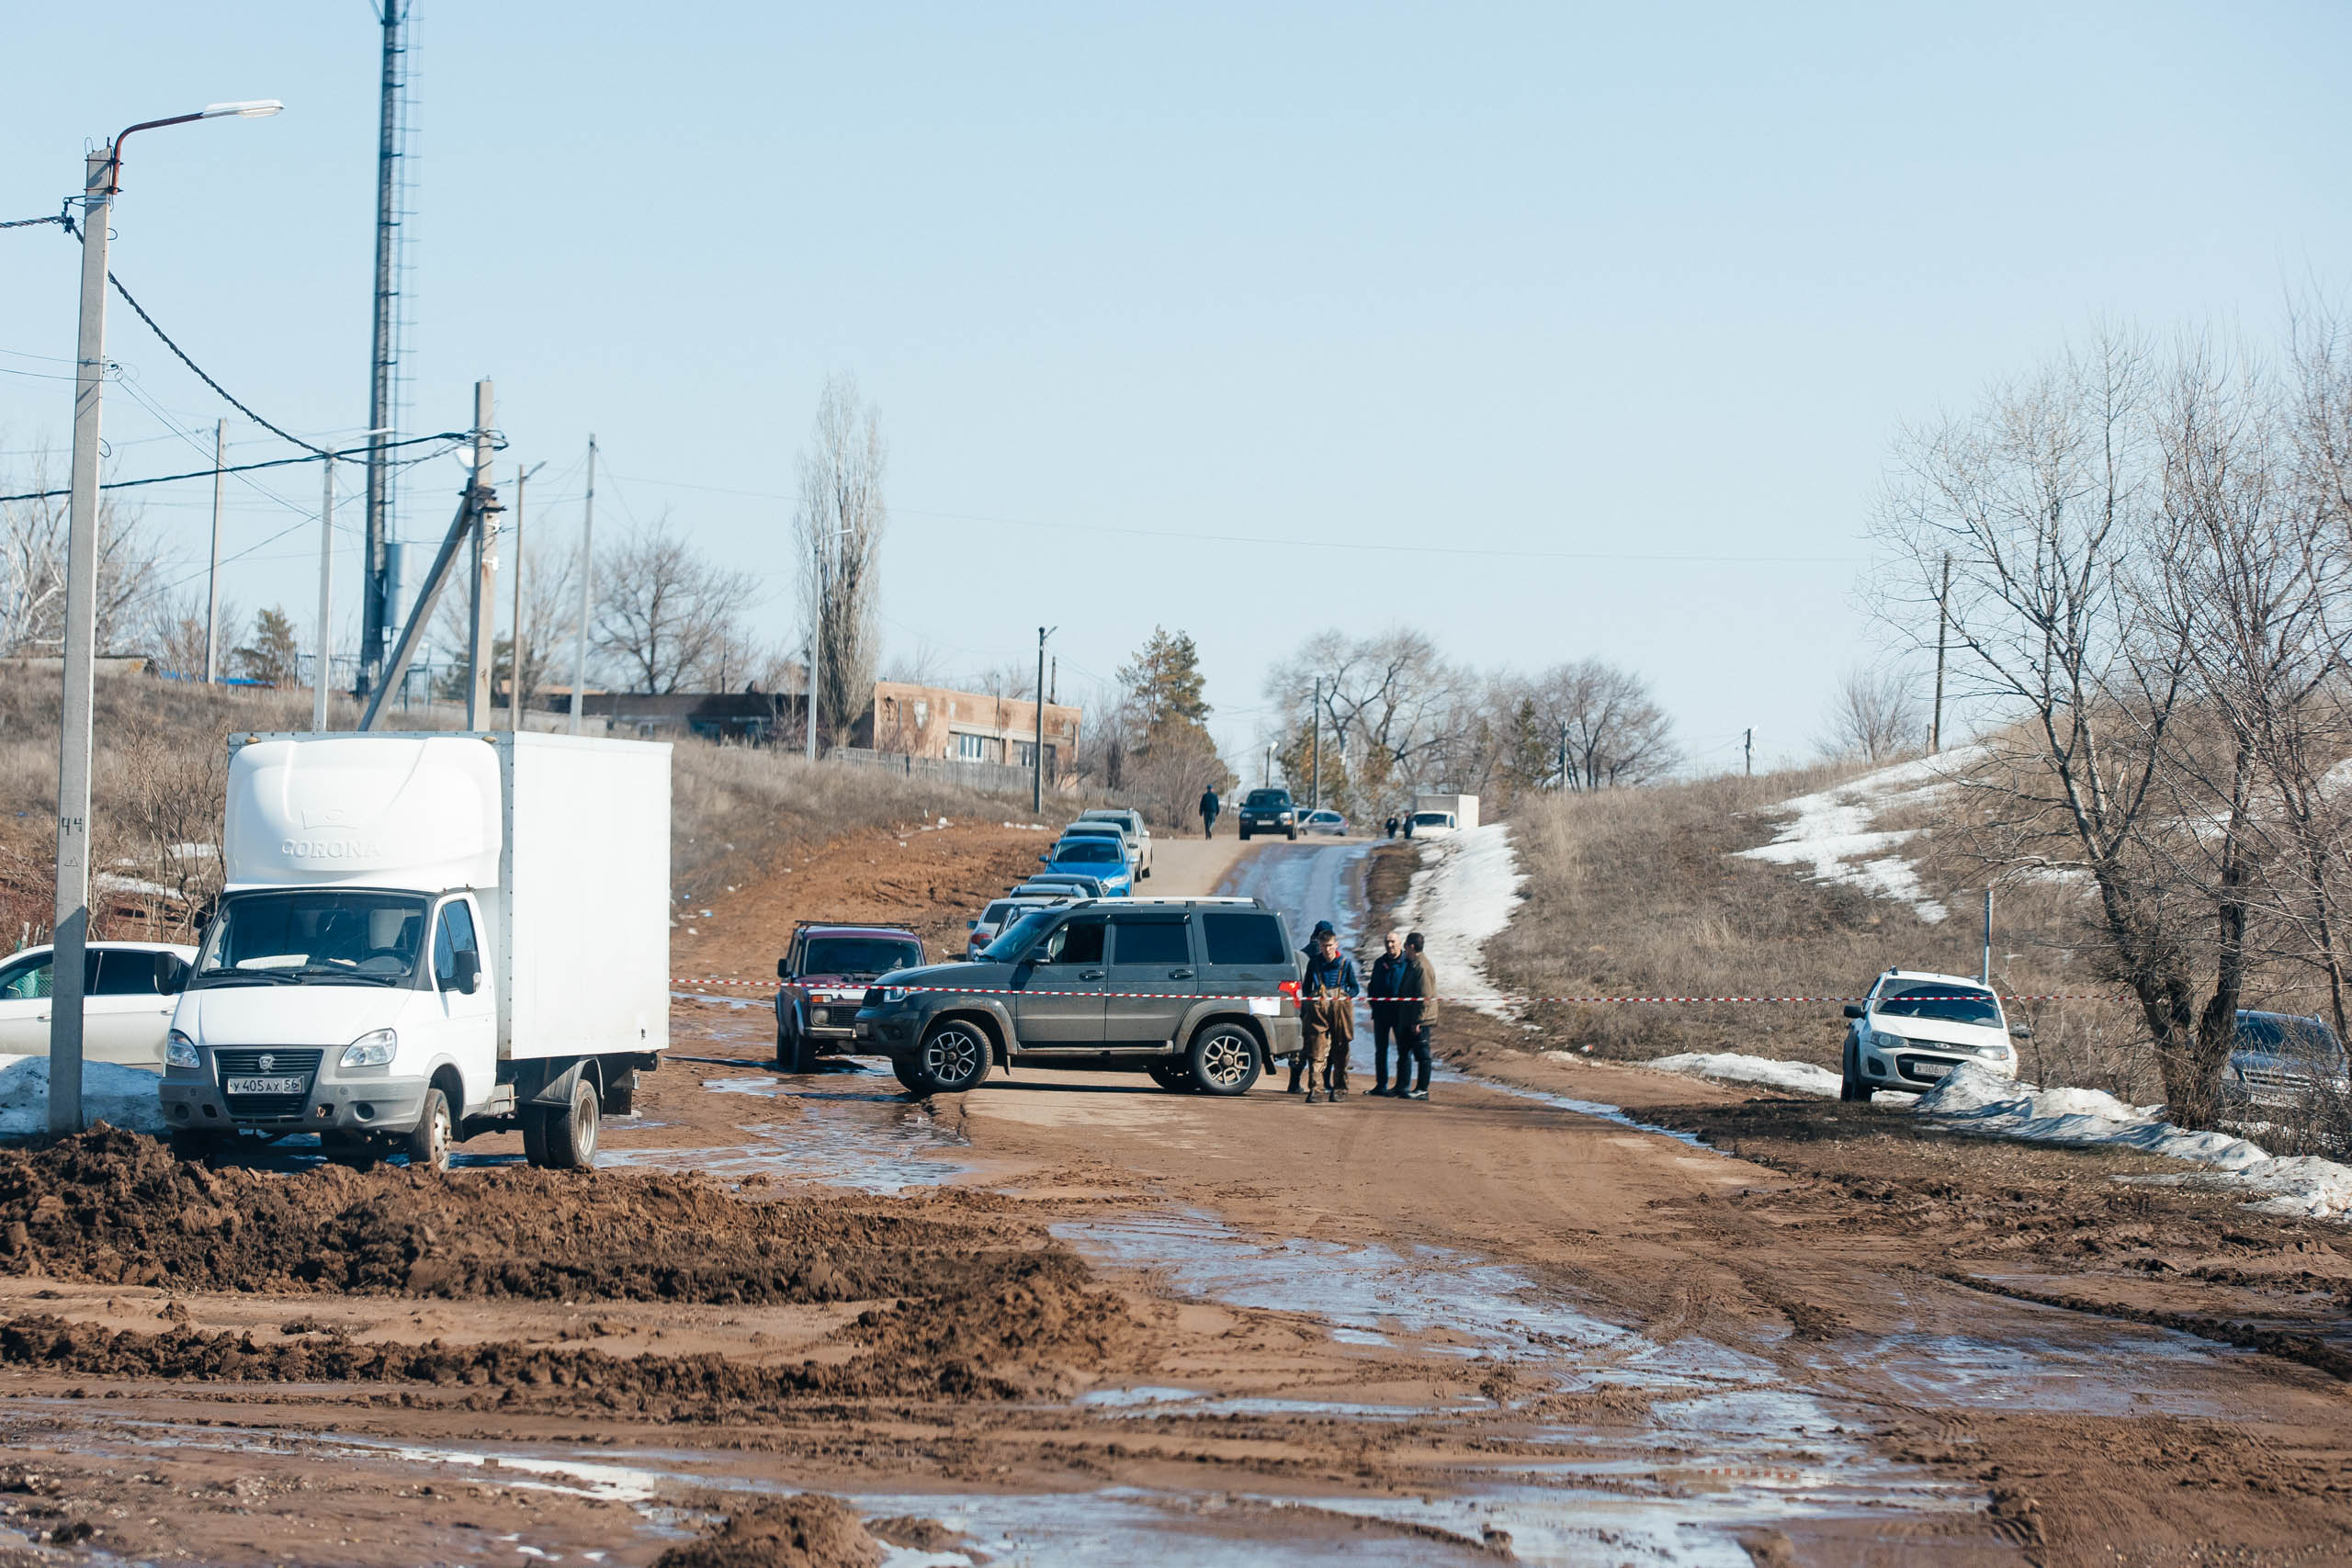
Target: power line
345	454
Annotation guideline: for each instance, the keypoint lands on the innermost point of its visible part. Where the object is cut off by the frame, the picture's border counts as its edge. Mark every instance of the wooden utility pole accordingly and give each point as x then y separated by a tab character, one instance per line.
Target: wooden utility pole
1943	621
1747	751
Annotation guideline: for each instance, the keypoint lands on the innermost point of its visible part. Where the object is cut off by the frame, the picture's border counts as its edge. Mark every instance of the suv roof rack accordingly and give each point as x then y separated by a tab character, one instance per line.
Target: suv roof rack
1151	898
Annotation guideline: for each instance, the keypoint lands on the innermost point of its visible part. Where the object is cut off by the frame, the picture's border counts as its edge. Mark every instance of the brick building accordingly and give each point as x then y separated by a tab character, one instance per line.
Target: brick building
965	726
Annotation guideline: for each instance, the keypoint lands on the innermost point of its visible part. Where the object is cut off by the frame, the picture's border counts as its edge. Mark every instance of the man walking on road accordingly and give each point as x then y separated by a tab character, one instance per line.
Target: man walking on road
1415	1018
1209	812
1327	1013
1387	984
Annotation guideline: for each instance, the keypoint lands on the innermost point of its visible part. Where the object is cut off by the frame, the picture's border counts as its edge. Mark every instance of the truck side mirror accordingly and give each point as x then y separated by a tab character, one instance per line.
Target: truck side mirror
171	974
466	964
784	968
1853	1009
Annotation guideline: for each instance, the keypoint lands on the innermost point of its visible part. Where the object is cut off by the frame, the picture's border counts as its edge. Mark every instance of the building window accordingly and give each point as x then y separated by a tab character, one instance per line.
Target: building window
971	748
1024	753
923	714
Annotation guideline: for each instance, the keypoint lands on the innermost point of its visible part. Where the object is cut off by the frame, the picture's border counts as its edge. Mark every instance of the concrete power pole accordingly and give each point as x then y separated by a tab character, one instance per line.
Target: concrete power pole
70	929
482	632
514	622
587	577
325	638
376	628
1748	752
212	579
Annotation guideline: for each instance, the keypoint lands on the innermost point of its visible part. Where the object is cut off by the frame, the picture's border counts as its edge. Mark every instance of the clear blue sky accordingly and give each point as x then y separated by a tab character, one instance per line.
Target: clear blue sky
1616	282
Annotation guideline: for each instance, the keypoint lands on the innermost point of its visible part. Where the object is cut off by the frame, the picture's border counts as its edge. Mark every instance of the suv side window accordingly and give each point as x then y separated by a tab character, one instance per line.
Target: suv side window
1160	938
455	934
123	973
1253	939
1077	942
26	981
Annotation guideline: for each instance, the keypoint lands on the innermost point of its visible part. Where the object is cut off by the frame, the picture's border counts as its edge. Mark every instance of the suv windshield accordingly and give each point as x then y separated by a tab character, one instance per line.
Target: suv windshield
866	957
1088	852
2276	1035
313	938
1945	1004
1268	797
1018	936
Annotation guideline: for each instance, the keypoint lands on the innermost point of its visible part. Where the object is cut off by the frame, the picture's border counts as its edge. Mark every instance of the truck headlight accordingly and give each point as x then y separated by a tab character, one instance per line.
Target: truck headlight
373	1049
179	1051
891	994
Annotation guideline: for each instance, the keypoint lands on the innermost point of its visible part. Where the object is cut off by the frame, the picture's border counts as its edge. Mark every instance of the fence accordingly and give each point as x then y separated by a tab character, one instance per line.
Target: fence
989	778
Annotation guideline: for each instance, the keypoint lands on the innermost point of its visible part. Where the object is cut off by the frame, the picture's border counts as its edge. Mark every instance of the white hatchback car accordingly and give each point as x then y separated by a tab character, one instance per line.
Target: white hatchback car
127	1002
1914	1027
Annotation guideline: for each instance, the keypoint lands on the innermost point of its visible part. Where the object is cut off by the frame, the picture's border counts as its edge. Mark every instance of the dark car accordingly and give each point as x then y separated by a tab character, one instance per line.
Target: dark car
2278	1059
1269	811
1200	993
825	974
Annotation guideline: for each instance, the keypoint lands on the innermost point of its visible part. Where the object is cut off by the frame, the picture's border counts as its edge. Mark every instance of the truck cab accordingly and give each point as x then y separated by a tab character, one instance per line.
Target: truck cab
825	974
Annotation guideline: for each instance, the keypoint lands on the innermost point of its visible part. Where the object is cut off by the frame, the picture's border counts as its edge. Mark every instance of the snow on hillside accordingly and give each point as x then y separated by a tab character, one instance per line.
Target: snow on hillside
1465	894
1835	836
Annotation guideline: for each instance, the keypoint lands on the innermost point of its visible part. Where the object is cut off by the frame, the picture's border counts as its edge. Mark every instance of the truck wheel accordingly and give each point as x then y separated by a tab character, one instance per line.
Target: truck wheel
571	1131
1223	1060
905	1073
1174	1076
427	1145
953	1058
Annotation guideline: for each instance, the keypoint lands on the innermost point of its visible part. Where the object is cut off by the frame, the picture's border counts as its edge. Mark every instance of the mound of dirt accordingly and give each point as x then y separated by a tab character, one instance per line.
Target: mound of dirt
119	1208
810	1530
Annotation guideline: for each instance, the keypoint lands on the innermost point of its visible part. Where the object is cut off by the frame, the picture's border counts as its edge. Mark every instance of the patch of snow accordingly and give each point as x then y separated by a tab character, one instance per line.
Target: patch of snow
1982	1100
1731	1066
140	886
1465	894
119	1095
1833	832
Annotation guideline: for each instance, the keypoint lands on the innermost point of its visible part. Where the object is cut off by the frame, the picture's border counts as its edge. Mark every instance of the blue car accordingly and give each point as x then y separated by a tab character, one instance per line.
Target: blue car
1105	860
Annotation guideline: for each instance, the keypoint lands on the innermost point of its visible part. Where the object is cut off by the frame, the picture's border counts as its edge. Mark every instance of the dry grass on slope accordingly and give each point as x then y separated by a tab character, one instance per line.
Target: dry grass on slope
1641	892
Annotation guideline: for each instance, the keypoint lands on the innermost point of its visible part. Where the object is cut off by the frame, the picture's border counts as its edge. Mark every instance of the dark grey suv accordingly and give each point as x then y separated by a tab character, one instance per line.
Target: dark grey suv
1200	993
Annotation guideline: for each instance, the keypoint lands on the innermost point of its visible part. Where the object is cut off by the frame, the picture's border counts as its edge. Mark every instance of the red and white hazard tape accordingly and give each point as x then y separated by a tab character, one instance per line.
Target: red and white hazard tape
1290	990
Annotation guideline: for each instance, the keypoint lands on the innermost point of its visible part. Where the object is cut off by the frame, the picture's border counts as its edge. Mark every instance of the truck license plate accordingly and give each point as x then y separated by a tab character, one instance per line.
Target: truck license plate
262	1086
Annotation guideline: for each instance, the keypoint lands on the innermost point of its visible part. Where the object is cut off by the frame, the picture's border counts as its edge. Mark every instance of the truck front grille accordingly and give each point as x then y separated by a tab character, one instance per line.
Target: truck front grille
282	1061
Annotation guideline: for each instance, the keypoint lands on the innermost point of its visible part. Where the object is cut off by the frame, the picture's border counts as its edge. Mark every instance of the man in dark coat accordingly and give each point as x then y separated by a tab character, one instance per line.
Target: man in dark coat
1417	1017
1386	983
1208	811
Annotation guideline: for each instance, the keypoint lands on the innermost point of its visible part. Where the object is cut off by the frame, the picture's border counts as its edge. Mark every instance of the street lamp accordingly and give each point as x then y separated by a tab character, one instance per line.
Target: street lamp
102	177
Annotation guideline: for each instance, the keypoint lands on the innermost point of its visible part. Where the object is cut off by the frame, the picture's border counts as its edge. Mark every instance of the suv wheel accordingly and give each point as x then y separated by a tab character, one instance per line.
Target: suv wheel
792	1054
1175	1076
1245	832
954	1057
1223	1060
1850	1085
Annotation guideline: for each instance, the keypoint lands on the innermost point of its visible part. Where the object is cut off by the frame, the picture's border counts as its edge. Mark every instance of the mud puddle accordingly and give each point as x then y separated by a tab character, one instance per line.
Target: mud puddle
846	1134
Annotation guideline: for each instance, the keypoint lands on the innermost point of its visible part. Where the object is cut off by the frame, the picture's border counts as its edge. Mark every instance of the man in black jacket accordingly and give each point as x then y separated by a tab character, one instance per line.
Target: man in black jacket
1209	812
1417	1017
1387	984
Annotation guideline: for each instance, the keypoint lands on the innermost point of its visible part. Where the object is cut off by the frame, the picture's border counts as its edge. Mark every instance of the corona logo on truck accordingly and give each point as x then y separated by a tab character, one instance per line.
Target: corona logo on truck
424	937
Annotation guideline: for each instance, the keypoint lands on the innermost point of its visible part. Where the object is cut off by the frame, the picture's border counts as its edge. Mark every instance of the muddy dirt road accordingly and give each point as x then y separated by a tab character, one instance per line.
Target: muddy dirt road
1073	1319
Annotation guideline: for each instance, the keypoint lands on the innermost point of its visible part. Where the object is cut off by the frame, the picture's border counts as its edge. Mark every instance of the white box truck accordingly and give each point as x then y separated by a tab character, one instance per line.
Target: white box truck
1438	814
427	937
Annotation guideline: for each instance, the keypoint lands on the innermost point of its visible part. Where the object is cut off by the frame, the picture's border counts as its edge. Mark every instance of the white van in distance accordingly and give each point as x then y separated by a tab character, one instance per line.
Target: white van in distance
426	937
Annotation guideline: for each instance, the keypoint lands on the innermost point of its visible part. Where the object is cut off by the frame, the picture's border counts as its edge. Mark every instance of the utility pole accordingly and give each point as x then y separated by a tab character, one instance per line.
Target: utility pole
515	629
1315	776
809	679
1943	621
1266	773
1037	779
212	580
1747	751
482	632
1056	686
587	576
1985	972
325	638
1564	755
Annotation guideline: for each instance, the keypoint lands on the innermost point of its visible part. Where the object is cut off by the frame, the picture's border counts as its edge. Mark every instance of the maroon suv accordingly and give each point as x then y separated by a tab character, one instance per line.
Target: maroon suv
825	975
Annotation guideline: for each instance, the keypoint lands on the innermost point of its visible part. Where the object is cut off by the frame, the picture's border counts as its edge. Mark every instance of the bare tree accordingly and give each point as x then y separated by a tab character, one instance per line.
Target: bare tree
32	567
663	611
1874	715
838	525
1611	729
1389	706
174	637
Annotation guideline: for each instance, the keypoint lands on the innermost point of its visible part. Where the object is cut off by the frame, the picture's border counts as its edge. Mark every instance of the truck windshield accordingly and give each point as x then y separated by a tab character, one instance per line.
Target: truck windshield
866	957
313	938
